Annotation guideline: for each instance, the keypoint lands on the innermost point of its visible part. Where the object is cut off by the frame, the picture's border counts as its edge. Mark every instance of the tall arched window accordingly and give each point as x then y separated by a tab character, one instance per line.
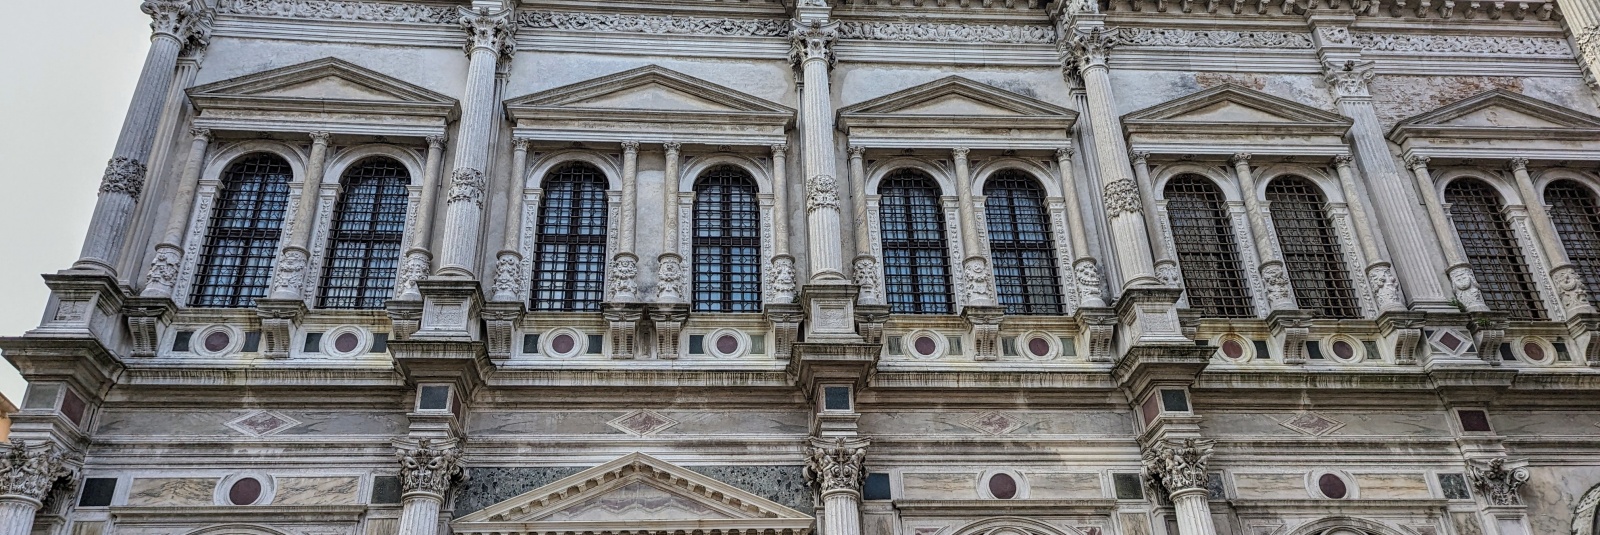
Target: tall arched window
242	239
1208	250
364	241
727	242
1492	249
1311	251
570	256
916	264
1576	214
1020	245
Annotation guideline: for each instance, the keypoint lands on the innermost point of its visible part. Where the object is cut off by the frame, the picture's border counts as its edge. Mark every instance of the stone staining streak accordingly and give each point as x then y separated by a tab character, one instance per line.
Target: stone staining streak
1396	97
1212	38
1498	484
653	24
1463	44
430	468
337	10
929	32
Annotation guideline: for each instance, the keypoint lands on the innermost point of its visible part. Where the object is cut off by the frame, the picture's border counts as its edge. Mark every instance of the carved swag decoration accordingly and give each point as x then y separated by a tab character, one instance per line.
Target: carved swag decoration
430	468
1178	466
32	470
836	465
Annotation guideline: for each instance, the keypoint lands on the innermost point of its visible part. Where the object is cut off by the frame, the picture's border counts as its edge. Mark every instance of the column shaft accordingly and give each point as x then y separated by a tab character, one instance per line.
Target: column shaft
969	219
464	207
858	194
169	252
507	284
1462	280
669	210
1128	229
1280	296
822	198
1166	267
842	513
1086	272
630	194
420	514
16	515
1570	288
422	235
780	200
1413	254
1582	18
290	271
1385	286
1193	512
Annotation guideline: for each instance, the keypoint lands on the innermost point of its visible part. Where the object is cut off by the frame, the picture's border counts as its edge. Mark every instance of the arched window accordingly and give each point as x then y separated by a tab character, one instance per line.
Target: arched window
1020	245
242	239
570	256
1208	250
1576	214
1311	251
364	241
916	265
727	242
1492	249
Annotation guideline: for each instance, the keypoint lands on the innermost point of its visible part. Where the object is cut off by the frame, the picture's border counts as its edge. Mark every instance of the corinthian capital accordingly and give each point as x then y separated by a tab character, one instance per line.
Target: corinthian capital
176	18
812	41
429	467
1349	79
495	32
836	465
1178	466
1093	46
32	470
1498	483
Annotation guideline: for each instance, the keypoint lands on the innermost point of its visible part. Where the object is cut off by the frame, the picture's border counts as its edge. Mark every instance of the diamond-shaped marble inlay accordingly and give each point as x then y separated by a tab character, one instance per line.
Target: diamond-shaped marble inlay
1449	340
1313	424
262	423
644	422
994	423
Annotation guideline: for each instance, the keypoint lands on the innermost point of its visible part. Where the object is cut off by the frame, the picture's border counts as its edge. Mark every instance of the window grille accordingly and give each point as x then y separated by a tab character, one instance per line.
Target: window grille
1208	250
1020	245
242	238
570	254
727	242
364	241
1576	215
1312	253
1492	249
916	264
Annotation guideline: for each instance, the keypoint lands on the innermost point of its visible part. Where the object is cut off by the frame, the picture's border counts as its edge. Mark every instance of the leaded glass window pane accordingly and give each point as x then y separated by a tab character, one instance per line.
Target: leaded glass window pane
364	241
1492	249
1576	215
1208	250
916	264
727	242
1312	253
570	251
1020	245
235	265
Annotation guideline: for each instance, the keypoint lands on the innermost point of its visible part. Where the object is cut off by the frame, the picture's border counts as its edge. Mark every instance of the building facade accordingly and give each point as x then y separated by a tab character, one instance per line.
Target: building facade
845	267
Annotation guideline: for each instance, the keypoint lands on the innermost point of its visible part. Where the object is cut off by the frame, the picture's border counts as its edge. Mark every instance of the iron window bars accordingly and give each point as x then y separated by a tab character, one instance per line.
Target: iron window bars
1020	245
235	265
727	242
1312	253
1492	249
570	252
1576	215
1208	250
364	242
916	264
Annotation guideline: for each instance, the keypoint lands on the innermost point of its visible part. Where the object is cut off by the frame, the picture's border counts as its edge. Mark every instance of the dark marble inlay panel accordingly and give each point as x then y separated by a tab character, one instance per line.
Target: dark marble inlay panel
783	484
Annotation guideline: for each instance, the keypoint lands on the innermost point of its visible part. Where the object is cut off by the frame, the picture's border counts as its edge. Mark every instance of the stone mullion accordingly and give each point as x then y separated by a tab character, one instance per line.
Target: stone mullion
1166	266
294	255
1385	286
867	261
672	271
162	277
1459	270
418	257
975	274
1274	275
1568	284
1082	267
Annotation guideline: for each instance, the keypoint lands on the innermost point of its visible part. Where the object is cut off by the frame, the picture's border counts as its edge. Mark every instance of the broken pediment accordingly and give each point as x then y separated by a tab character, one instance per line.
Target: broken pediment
639	494
326	94
955	111
650	103
1500	123
1230	118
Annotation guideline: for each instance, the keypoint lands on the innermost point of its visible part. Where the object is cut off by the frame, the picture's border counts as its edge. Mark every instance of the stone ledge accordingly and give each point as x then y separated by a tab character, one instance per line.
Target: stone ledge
263	513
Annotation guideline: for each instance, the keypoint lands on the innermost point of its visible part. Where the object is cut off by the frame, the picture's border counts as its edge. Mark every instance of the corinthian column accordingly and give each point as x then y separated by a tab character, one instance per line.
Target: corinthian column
975	268
834	468
173	23
865	264
489	36
1166	267
1385	286
1180	469
780	276
427	471
1569	284
1089	49
28	473
1280	295
812	53
418	258
288	277
169	253
1461	277
508	262
1582	18
1086	270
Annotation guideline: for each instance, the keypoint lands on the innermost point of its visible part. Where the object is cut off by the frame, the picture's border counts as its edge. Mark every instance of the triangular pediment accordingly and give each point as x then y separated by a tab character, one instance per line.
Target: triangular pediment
639	494
327	79
1502	109
954	96
1231	105
649	88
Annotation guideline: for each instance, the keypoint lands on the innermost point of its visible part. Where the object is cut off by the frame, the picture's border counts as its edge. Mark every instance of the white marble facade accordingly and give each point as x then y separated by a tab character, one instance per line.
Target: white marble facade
451	404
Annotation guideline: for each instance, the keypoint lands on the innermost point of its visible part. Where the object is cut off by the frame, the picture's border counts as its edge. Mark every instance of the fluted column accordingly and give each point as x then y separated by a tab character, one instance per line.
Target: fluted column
812	53
427	471
1385	286
781	275
1569	283
1089	49
1280	293
1085	268
173	22
865	264
163	273
28	473
1462	280
975	267
508	262
419	259
1179	467
1582	18
1166	267
835	470
489	36
289	273
1414	253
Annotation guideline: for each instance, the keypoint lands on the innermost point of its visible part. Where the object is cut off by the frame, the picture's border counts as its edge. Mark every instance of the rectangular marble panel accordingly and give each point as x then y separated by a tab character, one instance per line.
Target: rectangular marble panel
88	528
1393	486
940	486
1028	423
1051	486
383	526
595	423
1135	523
1466	523
1411	424
1270	486
316	491
172	492
1540	424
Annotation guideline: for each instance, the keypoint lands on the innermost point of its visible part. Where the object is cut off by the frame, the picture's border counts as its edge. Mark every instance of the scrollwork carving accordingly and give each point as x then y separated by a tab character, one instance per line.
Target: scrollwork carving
342	10
653	24
1177	37
932	32
1122	197
430	468
124	176
836	465
1463	44
1178	466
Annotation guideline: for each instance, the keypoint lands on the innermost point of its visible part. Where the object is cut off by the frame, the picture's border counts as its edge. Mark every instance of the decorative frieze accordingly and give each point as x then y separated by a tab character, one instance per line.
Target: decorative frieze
1178	465
429	467
836	465
1176	37
1462	44
933	32
343	10
652	24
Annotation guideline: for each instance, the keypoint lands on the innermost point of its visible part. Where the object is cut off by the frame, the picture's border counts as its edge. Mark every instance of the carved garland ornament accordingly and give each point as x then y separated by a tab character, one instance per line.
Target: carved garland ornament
836	465
1122	197
342	10
654	24
1178	466
123	175
1175	37
931	32
430	468
32	470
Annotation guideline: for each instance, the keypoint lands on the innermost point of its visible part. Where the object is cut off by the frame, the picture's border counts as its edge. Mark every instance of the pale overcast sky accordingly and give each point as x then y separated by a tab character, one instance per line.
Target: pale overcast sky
62	99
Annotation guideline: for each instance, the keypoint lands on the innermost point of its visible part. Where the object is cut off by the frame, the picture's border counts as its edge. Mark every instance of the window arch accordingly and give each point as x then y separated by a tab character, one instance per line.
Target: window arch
570	252
235	266
1020	245
1312	253
1492	249
916	263
364	240
1208	250
1576	214
727	241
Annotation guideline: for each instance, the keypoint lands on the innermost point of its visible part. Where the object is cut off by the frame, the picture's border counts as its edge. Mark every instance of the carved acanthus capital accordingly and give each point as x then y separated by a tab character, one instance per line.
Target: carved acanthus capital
1497	483
1350	78
1178	466
1140	158
836	465
856	151
201	133
1240	158
780	150
320	137
1092	47
672	147
436	142
123	175
495	32
812	40
1342	160
822	193
1417	162
466	185
175	18
1517	164
430	468
1064	154
32	470
960	153
1122	197
521	144
630	147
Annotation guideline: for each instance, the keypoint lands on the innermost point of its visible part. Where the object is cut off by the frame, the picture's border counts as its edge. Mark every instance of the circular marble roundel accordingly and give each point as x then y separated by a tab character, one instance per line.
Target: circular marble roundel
562	343
217	341
1533	350
1003	486
1343	349
1039	347
245	491
346	342
1332	486
925	345
727	344
1232	348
